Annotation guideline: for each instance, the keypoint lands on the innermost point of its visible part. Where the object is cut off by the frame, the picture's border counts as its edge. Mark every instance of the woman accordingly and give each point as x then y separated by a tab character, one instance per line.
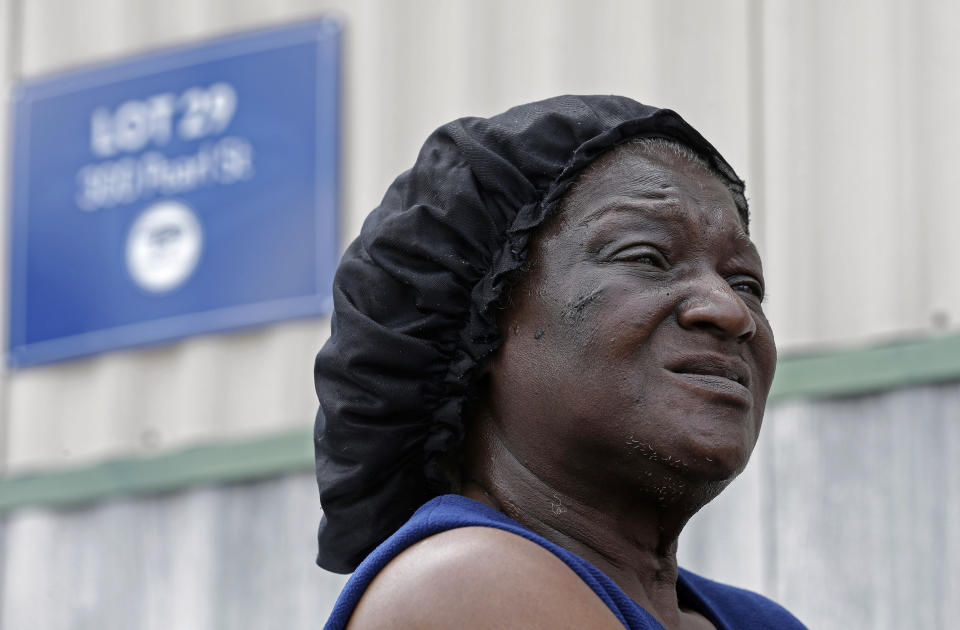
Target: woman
548	352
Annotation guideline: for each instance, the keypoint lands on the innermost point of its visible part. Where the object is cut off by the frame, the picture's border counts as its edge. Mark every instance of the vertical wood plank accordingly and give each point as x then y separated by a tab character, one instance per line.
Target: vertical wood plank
867	489
239	556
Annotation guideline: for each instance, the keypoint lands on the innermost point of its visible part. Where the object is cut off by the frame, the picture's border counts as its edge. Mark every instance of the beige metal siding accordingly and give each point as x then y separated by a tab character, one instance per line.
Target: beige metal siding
8	49
409	66
836	113
859	135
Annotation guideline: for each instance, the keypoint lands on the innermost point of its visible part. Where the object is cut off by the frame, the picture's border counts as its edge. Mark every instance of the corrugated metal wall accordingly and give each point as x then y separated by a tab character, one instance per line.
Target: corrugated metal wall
835	113
838	115
860	221
409	67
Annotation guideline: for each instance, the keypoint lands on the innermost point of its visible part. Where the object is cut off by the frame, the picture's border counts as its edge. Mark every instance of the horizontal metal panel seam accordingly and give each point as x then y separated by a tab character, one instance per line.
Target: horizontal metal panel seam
867	369
226	462
821	375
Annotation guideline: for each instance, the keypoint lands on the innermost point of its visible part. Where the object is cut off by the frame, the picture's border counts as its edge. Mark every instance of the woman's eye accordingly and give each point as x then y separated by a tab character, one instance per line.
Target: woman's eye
752	287
644	255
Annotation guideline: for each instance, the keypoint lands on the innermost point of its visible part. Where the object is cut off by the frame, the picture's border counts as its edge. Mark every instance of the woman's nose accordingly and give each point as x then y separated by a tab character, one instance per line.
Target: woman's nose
718	309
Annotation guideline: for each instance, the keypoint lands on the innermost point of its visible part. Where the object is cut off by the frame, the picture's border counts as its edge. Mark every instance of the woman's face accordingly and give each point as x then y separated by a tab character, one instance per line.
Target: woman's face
636	350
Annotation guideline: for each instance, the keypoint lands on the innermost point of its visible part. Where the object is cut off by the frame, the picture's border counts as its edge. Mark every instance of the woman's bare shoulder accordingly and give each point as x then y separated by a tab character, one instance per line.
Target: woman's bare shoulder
479	577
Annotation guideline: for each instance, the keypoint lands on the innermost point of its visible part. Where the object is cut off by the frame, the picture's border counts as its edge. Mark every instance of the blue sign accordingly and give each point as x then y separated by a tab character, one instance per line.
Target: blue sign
177	193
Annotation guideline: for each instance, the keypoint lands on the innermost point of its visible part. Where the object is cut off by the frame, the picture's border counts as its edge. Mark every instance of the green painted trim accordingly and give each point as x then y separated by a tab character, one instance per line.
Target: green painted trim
224	462
864	370
816	375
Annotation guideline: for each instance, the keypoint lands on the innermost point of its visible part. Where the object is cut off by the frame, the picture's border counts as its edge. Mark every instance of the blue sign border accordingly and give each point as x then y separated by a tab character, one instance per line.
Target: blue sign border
326	33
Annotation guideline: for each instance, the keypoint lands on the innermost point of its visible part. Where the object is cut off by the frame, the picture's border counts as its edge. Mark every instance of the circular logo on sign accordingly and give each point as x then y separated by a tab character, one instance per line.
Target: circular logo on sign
163	246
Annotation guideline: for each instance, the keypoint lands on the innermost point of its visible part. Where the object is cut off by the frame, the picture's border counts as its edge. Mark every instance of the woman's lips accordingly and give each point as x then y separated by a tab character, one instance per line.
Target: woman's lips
715	376
714	386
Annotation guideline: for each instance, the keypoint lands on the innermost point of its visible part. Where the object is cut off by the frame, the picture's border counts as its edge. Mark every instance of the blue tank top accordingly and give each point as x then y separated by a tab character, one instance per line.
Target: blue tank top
727	607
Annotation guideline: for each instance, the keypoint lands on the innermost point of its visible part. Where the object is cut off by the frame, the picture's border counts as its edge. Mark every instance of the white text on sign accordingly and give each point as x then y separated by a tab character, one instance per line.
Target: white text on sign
196	113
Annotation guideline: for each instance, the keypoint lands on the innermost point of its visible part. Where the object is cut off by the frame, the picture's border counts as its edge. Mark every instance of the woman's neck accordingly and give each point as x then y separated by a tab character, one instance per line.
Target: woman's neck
633	541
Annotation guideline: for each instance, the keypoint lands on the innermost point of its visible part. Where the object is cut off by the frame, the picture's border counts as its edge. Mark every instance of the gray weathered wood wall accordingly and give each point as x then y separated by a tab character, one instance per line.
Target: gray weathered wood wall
230	557
848	515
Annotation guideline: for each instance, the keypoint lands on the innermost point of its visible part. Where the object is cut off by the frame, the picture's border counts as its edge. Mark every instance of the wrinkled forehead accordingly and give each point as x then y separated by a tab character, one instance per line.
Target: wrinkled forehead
657	172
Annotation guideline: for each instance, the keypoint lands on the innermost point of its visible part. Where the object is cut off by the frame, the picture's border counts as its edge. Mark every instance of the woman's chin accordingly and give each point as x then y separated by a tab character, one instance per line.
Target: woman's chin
718	462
